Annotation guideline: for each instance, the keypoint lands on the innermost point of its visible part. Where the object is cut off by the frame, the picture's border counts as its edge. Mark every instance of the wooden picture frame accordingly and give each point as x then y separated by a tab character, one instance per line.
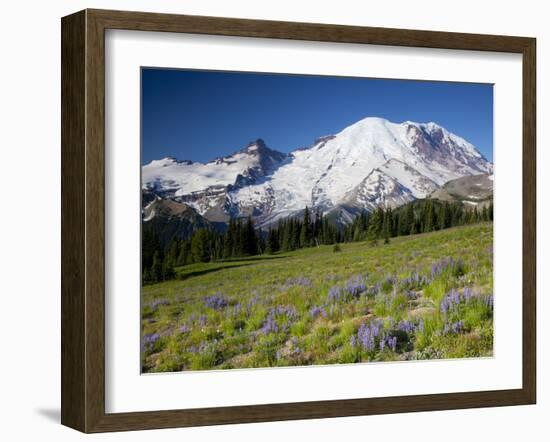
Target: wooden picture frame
83	220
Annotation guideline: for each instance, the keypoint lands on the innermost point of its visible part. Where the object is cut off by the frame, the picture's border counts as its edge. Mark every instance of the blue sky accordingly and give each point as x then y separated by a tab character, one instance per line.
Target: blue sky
200	115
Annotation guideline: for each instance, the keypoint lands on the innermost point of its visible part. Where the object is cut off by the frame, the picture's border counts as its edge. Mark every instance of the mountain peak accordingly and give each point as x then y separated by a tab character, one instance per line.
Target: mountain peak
167	161
256	144
259	149
373	120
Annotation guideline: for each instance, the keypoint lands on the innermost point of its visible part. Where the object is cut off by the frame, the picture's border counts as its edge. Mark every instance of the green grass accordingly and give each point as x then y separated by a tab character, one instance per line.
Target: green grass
276	310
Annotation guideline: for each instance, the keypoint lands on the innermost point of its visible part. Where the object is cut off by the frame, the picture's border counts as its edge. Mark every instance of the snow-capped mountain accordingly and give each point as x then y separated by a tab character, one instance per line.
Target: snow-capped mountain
369	163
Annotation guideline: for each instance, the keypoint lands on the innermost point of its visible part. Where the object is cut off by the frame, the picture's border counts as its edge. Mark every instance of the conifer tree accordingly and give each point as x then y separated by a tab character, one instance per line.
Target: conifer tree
429	217
271	243
168	271
386	226
183	257
408	226
305	231
229	240
156	268
376	223
199	246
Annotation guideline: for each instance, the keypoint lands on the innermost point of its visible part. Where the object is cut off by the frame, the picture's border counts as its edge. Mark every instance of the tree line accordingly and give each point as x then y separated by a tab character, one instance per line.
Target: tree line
418	216
242	239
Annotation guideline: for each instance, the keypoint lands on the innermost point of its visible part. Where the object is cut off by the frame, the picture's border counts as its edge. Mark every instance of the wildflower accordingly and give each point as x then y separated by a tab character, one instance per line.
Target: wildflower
158	302
185	329
382	344
216	301
450	301
318	311
407	326
355	286
279	319
270	326
467	294
334	294
149	341
392	342
457	327
367	334
453	328
203	320
301	281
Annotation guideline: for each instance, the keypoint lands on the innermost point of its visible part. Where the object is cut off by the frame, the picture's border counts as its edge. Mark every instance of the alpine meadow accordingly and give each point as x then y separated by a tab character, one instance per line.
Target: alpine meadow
373	243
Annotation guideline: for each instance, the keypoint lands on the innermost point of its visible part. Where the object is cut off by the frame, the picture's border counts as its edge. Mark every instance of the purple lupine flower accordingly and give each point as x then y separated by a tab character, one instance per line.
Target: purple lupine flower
390	280
355	286
414	281
237	309
149	341
374	290
316	311
158	302
367	334
270	326
392	342
457	327
382	343
252	303
233	312
185	329
376	327
453	328
454	297
467	294
353	341
301	281
286	310
390	299
296	350
444	306
406	326
216	301
439	267
366	338
284	314
203	347
203	320
334	294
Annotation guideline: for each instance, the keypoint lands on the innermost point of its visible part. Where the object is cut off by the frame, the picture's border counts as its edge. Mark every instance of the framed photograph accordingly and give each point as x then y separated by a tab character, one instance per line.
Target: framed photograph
269	220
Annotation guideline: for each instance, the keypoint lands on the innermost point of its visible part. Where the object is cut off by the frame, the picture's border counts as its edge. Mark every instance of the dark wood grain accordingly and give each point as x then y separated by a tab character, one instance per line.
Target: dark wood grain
83	220
529	220
73	253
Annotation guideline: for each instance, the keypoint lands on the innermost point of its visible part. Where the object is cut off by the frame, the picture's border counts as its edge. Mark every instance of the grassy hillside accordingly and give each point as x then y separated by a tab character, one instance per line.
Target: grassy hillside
424	296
